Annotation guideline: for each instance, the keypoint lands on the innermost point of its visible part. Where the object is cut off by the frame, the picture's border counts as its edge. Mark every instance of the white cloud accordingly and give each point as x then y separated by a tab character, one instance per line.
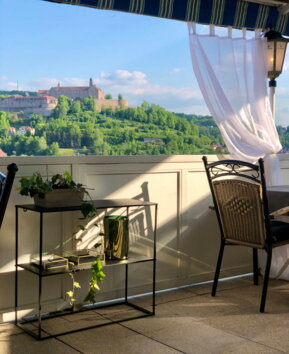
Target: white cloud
177	70
179	93
3	78
47	82
136	87
43	83
12	85
74	81
121	77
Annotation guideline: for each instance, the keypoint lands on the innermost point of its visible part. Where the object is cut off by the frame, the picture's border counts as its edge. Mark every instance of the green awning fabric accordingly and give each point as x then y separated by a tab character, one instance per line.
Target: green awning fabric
235	13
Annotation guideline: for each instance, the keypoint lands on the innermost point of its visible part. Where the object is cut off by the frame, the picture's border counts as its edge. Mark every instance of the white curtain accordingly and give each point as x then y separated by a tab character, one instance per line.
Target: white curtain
232	76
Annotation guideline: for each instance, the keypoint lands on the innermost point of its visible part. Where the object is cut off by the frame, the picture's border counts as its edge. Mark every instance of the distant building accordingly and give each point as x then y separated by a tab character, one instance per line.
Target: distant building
2	153
42	105
11	131
217	147
157	141
23	130
79	92
74	92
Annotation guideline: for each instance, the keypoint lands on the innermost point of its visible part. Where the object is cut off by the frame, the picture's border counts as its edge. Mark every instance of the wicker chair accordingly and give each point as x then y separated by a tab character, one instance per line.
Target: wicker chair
240	201
6	183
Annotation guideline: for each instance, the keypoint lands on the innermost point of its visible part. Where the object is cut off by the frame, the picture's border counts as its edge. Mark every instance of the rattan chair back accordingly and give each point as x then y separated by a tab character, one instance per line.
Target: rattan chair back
241	212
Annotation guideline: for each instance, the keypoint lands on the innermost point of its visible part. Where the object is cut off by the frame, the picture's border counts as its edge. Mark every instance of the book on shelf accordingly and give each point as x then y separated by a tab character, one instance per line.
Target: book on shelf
49	261
83	257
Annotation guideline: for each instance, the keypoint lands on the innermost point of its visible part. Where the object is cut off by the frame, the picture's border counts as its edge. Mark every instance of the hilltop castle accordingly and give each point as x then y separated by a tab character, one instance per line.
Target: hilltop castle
46	101
75	92
79	92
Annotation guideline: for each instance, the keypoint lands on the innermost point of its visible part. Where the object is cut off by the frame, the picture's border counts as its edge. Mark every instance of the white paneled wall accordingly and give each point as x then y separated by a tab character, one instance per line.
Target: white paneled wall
187	237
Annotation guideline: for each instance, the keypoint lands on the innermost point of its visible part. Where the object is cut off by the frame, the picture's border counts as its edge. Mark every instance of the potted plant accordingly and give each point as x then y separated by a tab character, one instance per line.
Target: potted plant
58	191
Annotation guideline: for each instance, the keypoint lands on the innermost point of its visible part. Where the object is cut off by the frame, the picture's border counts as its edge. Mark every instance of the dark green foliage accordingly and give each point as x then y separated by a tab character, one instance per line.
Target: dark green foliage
21	93
36	185
145	130
88	210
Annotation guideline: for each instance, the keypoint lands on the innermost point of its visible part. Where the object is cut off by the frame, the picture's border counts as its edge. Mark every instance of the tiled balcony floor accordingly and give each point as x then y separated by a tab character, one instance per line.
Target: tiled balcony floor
186	321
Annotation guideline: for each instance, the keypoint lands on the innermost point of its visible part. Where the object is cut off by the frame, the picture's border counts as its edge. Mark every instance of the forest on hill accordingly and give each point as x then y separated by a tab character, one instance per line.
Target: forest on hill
77	127
4	94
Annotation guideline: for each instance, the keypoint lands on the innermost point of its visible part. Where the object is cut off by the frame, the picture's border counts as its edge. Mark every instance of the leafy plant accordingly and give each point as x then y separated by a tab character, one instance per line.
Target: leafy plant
36	185
97	277
75	285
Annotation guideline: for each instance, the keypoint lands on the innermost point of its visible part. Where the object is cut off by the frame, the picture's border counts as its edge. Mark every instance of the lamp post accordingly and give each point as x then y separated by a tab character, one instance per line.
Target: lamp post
276	49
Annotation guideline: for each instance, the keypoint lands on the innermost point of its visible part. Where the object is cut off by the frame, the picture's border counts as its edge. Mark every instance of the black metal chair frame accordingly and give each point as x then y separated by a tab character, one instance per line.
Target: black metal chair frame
255	173
6	183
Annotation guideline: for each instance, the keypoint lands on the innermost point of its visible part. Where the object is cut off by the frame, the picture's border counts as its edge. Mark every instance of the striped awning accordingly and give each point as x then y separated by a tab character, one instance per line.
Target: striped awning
235	13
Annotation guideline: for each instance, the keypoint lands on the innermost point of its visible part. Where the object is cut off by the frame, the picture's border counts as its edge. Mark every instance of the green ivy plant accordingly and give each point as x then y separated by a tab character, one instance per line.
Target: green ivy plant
75	285
37	185
96	279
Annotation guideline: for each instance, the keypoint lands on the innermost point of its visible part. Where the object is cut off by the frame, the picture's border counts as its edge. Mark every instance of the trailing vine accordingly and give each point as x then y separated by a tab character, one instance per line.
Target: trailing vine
75	285
97	278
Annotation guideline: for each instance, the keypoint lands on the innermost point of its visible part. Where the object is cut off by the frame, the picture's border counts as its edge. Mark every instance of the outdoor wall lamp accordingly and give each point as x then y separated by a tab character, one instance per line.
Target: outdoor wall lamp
276	50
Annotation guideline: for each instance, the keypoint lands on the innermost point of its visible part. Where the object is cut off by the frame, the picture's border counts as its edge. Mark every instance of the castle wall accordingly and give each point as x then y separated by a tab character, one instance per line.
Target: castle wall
99	104
28	104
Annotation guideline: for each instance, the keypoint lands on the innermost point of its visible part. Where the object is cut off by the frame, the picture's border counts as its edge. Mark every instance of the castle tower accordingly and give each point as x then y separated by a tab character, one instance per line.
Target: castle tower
91	82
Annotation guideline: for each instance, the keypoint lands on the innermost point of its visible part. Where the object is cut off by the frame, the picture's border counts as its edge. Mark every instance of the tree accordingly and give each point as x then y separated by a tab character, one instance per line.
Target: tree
97	146
88	104
108	96
36	146
75	107
119	97
60	111
36	120
4	123
54	149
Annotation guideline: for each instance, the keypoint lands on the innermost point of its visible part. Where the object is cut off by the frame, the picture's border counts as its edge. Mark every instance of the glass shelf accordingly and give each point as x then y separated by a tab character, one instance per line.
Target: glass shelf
36	270
99	204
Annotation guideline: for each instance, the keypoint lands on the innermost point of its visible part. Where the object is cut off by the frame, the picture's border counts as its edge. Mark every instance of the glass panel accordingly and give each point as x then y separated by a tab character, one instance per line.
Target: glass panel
270	56
280	54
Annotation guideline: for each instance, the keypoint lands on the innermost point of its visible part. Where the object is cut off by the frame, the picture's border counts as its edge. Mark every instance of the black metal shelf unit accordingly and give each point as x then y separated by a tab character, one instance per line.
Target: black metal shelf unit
36	321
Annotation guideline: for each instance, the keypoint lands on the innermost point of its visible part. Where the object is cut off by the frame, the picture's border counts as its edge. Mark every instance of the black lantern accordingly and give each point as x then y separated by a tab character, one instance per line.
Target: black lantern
276	53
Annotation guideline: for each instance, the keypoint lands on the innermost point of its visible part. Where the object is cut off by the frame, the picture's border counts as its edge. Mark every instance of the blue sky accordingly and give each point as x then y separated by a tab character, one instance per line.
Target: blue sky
143	58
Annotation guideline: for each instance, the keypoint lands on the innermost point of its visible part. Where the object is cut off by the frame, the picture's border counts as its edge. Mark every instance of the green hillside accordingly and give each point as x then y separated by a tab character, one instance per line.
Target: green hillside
16	92
76	125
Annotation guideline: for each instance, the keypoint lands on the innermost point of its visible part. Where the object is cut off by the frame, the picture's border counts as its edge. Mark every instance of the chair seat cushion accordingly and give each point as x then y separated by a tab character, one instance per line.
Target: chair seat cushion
280	231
